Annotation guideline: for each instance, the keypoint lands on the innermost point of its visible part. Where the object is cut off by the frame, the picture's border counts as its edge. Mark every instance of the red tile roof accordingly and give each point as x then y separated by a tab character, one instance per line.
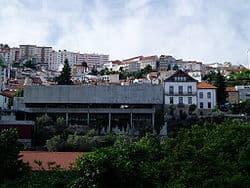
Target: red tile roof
64	159
37	80
204	85
8	93
153	57
231	89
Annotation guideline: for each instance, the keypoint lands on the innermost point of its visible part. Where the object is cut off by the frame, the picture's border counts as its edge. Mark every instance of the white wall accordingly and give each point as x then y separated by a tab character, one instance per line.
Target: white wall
176	94
205	100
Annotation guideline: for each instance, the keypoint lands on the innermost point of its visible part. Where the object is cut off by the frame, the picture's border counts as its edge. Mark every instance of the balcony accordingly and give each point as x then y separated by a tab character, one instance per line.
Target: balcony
181	94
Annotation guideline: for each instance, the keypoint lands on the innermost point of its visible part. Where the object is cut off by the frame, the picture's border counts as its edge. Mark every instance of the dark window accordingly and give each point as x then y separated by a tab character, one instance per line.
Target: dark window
171	100
189	89
180	90
201	95
209	95
190	100
180	100
171	89
209	105
201	105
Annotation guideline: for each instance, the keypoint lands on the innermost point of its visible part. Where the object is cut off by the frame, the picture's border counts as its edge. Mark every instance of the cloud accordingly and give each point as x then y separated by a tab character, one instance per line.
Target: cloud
208	31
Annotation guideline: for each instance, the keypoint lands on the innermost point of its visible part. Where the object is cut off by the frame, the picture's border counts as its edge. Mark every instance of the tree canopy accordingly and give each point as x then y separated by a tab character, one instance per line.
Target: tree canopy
212	155
65	77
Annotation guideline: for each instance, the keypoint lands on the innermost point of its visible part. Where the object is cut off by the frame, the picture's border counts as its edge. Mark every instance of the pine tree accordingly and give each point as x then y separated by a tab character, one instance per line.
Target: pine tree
65	77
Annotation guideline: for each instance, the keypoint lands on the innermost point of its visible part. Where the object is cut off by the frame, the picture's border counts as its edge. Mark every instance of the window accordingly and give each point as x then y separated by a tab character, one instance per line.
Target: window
201	105
209	95
171	100
180	89
189	89
180	100
189	100
171	89
201	95
209	105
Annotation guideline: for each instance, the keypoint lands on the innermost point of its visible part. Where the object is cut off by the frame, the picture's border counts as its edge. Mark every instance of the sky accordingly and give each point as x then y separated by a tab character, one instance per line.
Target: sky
203	30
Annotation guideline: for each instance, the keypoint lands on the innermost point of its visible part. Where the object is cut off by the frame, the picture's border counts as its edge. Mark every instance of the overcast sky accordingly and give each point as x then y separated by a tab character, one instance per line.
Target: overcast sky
202	30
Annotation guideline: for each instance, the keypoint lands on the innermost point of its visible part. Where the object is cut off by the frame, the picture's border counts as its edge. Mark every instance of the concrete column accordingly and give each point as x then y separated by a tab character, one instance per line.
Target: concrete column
131	120
88	116
67	118
153	122
109	125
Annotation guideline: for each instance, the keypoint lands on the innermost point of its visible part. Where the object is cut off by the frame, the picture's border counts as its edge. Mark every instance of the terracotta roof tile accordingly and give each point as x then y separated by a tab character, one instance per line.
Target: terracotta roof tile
8	93
204	85
231	89
64	159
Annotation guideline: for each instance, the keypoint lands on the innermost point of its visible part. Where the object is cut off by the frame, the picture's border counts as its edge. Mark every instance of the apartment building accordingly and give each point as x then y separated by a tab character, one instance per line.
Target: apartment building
206	96
181	90
149	60
10	55
166	62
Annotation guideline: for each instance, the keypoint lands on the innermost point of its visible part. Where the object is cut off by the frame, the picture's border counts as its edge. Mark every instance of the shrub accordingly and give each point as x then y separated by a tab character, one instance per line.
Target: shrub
211	155
10	164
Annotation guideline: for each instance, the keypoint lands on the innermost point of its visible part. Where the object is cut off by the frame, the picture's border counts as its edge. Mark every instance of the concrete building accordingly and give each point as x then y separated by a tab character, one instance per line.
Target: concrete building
166	62
109	108
206	97
244	93
149	60
180	89
233	95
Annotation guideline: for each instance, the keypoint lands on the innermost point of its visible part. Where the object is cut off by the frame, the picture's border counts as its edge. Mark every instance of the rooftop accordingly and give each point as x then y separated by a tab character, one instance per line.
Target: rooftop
204	85
64	159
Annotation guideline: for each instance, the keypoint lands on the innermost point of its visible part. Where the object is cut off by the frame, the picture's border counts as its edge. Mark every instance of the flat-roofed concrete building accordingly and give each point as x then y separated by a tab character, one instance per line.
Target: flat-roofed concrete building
117	109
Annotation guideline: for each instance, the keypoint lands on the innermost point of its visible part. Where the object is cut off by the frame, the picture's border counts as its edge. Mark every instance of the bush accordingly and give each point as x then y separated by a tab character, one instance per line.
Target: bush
43	179
10	164
79	143
212	155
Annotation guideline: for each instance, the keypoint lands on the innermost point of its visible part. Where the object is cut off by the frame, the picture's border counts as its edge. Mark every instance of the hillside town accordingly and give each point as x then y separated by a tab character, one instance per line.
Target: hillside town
62	101
119	93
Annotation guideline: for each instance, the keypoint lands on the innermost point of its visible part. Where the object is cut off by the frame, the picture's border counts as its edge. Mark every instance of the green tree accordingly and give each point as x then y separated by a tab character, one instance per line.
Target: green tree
19	93
10	164
29	64
65	76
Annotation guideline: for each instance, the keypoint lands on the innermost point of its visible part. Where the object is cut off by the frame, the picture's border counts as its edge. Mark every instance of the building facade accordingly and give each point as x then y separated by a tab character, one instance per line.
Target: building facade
206	96
115	108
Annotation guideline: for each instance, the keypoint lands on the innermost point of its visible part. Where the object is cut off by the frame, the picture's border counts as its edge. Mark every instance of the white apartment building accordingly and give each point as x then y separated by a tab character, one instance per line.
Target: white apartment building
149	60
92	60
10	55
41	54
182	90
206	96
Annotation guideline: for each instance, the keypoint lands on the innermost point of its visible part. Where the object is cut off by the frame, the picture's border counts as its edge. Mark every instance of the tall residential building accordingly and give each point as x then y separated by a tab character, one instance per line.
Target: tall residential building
40	54
92	60
10	55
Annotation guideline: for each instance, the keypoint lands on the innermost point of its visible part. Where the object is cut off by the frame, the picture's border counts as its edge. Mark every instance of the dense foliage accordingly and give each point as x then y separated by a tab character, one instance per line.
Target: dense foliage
65	77
240	78
78	142
43	179
10	164
203	156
